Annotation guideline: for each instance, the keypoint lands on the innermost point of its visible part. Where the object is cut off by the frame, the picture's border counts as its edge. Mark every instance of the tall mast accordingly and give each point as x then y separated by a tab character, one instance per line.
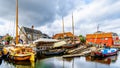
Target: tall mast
73	26
16	21
63	26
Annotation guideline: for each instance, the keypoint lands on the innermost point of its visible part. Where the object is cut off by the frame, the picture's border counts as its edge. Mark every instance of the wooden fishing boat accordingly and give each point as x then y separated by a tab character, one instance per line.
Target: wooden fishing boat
71	45
21	53
20	57
5	52
106	52
55	52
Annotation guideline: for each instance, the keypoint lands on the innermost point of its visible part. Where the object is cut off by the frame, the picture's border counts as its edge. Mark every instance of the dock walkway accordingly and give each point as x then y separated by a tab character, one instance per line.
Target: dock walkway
83	53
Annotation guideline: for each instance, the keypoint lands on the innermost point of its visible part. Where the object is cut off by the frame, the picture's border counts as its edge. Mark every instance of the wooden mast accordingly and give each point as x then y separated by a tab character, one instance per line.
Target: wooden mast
63	26
73	26
16	21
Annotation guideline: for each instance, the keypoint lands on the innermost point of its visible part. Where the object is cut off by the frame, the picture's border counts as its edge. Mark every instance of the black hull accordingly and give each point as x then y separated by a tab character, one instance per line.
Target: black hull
4	56
61	52
71	46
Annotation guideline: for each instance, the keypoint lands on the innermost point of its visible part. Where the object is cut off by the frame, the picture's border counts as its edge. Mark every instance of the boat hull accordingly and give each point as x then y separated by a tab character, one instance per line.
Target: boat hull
20	58
100	54
71	45
61	52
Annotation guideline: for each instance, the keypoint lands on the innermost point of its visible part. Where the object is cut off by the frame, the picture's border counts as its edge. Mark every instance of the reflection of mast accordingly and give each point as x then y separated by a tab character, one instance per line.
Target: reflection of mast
16	21
73	63
63	62
63	26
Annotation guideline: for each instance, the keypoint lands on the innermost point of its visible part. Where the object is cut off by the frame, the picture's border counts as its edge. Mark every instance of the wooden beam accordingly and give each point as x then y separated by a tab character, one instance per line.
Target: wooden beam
16	21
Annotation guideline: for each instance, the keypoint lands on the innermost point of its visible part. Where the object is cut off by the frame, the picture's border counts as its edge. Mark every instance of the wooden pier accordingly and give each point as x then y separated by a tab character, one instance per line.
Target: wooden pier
83	53
77	55
77	49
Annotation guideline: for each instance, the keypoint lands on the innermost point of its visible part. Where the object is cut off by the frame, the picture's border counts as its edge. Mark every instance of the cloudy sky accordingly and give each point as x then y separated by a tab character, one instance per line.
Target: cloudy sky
46	15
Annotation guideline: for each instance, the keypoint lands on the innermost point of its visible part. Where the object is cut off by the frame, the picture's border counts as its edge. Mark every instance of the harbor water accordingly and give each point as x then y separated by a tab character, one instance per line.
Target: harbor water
59	62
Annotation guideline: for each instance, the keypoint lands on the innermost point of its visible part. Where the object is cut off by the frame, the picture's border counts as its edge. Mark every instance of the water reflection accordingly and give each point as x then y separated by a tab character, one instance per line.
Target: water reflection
88	62
107	60
71	60
59	62
17	64
68	59
0	61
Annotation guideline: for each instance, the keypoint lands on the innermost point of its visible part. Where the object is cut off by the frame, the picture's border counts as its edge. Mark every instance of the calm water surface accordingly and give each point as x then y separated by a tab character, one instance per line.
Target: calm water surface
58	62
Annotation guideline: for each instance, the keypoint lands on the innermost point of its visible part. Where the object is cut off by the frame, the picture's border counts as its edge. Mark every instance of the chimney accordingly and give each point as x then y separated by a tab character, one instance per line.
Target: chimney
32	27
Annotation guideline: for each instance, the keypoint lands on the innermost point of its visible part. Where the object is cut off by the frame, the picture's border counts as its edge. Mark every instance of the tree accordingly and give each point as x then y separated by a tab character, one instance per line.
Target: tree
82	38
8	39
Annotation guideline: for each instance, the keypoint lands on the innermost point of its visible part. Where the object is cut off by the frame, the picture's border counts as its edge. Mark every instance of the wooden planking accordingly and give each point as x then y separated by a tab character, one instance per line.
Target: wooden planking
81	54
77	55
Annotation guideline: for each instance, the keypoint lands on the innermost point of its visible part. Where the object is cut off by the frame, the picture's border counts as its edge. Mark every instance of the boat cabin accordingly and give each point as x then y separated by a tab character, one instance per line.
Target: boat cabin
45	44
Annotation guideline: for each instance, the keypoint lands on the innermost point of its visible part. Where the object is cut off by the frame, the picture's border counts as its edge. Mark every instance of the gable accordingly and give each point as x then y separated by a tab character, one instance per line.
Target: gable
30	30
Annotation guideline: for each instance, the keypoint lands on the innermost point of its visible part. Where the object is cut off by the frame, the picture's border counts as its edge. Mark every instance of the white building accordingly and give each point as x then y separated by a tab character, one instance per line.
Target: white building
29	34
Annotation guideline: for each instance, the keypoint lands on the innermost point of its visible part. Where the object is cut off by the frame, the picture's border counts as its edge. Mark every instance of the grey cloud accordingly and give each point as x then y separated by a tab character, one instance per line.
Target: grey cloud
109	11
1	23
45	12
36	12
108	16
7	8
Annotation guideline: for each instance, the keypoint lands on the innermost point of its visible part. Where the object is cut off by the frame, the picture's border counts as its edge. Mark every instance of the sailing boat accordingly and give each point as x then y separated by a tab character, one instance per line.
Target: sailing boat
20	52
72	43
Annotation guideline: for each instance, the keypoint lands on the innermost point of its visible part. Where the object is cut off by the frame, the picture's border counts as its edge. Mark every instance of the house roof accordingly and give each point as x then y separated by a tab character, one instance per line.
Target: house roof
45	36
101	35
59	35
98	32
30	30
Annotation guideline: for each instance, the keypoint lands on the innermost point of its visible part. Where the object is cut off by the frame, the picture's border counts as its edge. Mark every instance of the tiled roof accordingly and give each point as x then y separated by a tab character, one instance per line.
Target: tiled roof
30	30
98	32
59	35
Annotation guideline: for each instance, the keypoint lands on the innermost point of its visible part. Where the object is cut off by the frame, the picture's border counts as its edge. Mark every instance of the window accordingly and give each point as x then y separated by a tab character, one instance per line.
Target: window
29	36
106	38
102	38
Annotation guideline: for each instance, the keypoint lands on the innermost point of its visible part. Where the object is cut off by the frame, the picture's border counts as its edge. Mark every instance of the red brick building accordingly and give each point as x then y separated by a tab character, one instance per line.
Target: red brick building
102	38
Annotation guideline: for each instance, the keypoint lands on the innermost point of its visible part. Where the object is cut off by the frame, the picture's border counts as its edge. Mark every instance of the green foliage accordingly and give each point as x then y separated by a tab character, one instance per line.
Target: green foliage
9	38
82	39
80	36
